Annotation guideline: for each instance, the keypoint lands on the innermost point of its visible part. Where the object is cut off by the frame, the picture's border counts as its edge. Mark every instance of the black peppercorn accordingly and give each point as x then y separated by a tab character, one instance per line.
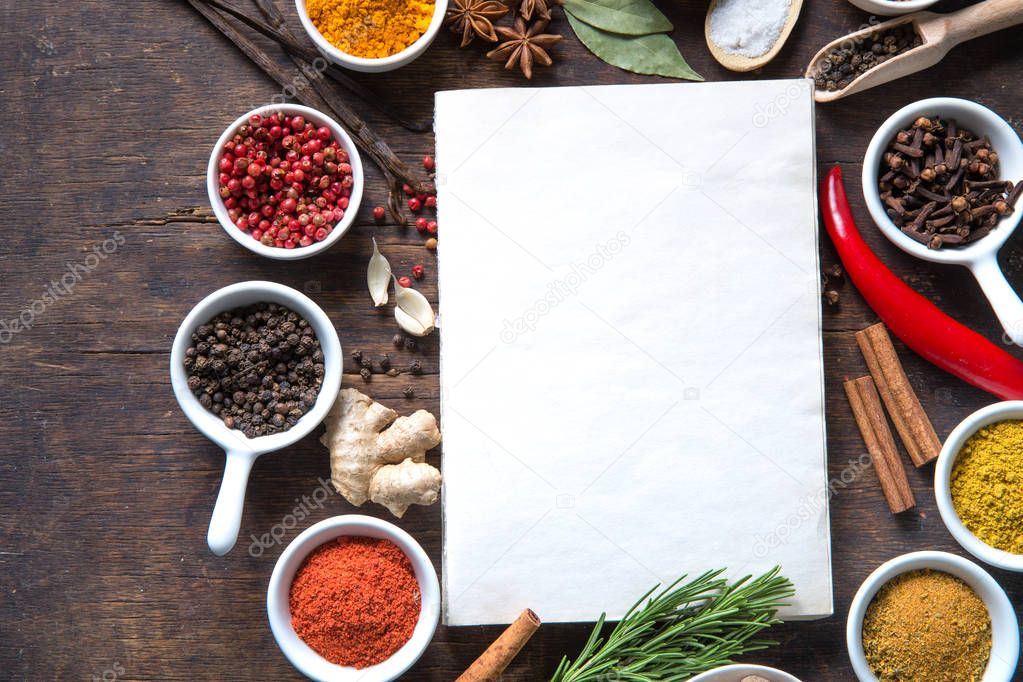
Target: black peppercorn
409	392
385	363
366	374
397	341
415	367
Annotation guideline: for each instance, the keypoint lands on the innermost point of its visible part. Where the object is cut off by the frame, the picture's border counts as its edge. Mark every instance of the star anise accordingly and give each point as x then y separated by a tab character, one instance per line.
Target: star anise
540	8
474	18
521	47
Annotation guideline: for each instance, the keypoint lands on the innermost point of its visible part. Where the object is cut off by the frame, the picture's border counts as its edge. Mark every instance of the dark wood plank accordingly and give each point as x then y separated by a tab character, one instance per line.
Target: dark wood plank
111	113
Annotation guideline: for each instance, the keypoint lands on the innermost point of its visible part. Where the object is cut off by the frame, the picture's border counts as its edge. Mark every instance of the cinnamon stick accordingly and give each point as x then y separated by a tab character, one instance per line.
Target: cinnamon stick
914	427
492	662
866	407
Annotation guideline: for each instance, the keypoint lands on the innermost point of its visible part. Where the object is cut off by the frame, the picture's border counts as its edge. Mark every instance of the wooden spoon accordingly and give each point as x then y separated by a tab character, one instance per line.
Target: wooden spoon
939	32
737	62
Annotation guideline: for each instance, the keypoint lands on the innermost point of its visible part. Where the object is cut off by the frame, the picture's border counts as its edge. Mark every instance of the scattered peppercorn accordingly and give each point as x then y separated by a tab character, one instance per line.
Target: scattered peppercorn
259	368
357	356
831	296
415	367
405	282
385	362
421	224
409	391
431	227
365	374
428	163
431	201
407	189
411	345
284	181
379	213
415	205
431	244
418	271
397	340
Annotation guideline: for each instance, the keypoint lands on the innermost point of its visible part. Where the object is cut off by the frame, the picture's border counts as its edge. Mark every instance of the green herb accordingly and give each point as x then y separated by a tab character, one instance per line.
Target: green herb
682	631
630	17
654	54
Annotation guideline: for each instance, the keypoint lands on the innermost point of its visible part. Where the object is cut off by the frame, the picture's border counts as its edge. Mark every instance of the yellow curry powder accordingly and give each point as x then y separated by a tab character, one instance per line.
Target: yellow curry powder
927	626
370	28
987	485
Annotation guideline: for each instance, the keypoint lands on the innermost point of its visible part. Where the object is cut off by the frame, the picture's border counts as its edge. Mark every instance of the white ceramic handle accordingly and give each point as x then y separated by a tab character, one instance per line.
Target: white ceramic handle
1003	298
227	513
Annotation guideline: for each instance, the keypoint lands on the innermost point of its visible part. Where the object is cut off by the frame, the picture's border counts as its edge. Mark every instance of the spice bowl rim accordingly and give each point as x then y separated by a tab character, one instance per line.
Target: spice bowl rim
1004	624
982	121
374	64
991	414
735	672
891	8
244	238
300	654
241	450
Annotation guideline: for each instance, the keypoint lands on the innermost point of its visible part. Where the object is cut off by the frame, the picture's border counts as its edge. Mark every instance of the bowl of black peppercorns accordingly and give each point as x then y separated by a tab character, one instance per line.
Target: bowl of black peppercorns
255	367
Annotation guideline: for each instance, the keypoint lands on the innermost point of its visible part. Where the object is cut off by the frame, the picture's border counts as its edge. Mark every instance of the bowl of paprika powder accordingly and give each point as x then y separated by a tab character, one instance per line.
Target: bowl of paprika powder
353	598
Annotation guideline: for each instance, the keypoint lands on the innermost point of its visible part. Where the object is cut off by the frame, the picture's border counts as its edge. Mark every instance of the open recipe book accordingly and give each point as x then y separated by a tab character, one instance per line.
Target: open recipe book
630	345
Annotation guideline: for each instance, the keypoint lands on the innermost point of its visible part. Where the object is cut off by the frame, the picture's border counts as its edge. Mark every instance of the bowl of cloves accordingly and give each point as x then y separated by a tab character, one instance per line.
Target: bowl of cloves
942	179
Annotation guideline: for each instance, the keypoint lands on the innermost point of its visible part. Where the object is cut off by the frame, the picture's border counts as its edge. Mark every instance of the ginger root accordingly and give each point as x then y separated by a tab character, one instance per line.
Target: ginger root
378	456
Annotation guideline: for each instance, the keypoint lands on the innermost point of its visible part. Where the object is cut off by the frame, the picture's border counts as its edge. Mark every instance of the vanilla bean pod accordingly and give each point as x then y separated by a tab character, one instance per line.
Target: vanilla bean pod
398	174
293	47
395	171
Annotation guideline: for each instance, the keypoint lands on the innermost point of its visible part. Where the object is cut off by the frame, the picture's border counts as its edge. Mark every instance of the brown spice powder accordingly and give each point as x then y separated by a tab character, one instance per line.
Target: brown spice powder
927	625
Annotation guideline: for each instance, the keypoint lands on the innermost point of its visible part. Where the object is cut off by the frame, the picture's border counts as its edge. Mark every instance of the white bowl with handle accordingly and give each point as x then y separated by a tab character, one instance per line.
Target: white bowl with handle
981	256
242	451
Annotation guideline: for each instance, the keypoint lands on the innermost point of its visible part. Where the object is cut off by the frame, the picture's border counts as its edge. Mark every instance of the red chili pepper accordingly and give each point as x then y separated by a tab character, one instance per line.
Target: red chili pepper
919	323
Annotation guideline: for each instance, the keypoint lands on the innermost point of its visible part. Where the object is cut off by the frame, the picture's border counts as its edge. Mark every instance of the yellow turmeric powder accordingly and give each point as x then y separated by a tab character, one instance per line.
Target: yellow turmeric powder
987	485
371	28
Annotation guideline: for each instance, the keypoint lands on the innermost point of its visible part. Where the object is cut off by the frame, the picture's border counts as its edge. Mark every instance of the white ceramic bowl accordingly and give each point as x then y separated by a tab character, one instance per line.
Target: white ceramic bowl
244	238
301	655
241	450
890	8
365	64
735	673
1004	626
981	257
1012	409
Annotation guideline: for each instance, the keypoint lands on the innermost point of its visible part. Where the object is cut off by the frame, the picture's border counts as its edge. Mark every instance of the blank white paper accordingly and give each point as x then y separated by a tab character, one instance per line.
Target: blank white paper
630	345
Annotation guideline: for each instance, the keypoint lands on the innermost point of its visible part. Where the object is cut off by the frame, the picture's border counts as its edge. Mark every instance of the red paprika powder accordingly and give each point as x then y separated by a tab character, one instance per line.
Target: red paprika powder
355	600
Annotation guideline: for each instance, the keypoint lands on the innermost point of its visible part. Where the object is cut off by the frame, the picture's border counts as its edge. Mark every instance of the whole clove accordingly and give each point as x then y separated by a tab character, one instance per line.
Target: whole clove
938	182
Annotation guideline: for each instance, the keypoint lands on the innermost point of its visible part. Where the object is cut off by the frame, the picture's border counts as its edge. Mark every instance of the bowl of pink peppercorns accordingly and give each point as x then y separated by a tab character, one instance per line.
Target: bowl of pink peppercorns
285	181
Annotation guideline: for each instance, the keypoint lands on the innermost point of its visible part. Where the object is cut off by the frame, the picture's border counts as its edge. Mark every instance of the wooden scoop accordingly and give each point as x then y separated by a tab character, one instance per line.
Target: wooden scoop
939	32
737	62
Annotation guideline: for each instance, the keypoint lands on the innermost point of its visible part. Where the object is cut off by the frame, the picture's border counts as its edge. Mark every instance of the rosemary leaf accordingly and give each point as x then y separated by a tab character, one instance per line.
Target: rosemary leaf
682	630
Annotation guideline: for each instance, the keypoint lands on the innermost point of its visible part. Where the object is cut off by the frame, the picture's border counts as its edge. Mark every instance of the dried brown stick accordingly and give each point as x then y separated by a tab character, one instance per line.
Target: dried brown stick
492	662
912	423
393	168
294	47
866	407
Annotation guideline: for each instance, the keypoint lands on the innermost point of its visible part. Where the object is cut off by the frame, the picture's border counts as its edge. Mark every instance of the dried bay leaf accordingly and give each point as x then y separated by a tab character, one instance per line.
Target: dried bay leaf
630	17
654	54
378	276
412	311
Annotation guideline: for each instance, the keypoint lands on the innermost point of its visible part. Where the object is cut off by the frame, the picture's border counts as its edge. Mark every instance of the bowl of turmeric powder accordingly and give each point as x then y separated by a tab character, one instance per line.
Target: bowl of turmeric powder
371	35
978	483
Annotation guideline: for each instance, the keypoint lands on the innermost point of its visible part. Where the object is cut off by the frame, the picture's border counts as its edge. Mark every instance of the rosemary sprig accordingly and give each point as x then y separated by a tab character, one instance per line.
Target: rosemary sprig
683	630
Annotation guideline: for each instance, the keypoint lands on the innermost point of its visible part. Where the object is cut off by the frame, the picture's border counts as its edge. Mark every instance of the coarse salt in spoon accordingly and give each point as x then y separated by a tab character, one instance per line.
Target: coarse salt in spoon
743	35
939	34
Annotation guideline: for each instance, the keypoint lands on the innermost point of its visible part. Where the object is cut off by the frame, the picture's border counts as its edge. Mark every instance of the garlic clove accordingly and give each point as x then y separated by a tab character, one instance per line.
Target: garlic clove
378	276
412	311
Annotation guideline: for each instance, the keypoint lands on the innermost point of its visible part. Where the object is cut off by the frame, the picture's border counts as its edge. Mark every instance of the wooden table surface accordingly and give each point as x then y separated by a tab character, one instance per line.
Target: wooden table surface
106	489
